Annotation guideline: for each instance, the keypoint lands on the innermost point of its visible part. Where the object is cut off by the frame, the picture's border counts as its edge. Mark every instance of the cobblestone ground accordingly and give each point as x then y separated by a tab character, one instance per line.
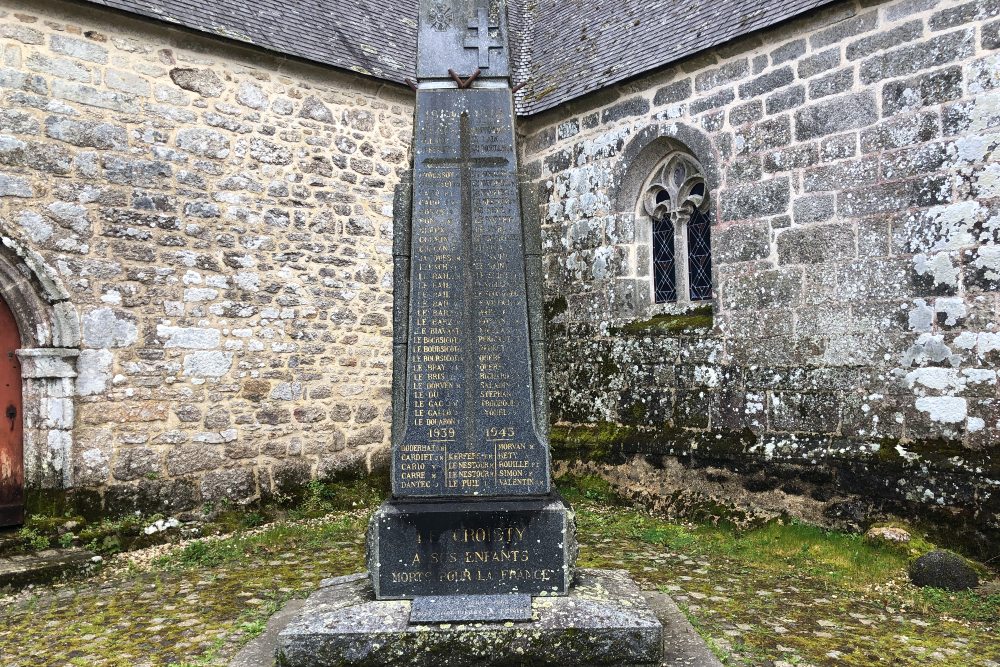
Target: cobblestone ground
198	604
196	610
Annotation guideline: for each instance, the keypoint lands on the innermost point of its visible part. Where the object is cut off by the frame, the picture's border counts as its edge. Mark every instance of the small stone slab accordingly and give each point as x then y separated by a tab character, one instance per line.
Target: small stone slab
605	620
454	608
43	567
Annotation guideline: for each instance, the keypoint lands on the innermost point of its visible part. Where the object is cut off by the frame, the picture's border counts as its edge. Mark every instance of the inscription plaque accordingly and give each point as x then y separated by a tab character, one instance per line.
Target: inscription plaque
485	547
483	608
469	426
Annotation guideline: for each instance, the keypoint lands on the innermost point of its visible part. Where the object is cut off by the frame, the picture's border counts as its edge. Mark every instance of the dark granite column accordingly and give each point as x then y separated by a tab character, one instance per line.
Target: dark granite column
472	509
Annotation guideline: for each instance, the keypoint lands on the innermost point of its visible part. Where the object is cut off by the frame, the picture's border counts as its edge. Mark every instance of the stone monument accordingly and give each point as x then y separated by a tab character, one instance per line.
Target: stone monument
472	509
471	562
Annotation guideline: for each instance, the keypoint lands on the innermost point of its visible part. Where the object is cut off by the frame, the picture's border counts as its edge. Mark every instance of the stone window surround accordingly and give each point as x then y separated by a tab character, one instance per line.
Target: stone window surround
50	338
638	160
683	202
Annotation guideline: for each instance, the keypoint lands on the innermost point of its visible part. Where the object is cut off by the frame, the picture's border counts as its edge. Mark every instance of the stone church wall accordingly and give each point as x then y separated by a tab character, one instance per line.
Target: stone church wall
219	220
851	347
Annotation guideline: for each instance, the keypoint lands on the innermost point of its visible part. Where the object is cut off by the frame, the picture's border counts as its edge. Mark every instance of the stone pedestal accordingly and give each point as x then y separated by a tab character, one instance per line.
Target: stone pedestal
469	547
605	620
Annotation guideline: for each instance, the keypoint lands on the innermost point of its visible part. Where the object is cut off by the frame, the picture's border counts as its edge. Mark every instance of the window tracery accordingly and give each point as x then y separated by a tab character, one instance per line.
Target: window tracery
676	200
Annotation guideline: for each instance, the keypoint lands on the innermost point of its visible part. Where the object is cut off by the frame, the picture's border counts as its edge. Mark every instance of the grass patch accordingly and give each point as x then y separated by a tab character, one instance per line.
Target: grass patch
778	549
245	547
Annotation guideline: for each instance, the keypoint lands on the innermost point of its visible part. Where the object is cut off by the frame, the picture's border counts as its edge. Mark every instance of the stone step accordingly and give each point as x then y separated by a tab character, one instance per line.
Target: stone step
44	567
10	542
604	620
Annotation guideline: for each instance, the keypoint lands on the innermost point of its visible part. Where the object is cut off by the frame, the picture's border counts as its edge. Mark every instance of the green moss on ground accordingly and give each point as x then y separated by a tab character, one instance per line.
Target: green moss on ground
789	591
783	591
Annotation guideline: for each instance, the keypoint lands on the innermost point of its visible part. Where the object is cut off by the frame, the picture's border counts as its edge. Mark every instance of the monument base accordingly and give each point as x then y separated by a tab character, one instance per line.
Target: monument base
471	547
605	620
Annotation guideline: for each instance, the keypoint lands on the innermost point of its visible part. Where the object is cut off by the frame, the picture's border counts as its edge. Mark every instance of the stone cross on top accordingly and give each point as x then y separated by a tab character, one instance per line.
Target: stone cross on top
482	40
462	35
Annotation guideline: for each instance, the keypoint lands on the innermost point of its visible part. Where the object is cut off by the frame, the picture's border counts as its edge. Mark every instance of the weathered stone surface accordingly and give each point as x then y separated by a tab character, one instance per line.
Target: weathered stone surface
831	84
828	117
605	621
63	68
633	107
813	209
728	73
788	98
790	51
817	243
102	99
314	109
205	82
943	569
44	567
922	91
205	143
820	62
899	132
127	82
908	60
766	83
887	535
207	364
749	201
743	242
673	93
746	113
105	136
79	48
234	485
18	122
136	463
103	328
252	96
471	547
885	39
715	101
183	265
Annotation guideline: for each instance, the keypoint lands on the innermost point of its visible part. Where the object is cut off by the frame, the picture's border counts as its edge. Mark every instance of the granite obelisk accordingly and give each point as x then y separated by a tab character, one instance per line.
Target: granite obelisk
473	533
472	509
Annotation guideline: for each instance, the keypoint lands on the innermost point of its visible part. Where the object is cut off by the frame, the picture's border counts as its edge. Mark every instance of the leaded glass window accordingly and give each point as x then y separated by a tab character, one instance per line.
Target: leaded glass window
699	256
664	276
676	201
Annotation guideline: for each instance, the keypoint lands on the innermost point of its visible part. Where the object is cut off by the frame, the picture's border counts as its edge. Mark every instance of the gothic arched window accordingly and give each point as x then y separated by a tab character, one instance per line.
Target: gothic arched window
676	200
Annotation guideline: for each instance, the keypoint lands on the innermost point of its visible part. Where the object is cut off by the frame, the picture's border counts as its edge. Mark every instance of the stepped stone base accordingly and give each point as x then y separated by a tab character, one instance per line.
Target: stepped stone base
605	620
43	567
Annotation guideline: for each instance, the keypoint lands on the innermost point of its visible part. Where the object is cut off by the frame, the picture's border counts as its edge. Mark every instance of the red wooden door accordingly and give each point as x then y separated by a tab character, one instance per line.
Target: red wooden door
11	425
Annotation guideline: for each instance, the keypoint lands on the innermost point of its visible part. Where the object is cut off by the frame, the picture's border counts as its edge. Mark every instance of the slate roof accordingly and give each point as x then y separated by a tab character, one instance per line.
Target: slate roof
373	37
579	46
565	48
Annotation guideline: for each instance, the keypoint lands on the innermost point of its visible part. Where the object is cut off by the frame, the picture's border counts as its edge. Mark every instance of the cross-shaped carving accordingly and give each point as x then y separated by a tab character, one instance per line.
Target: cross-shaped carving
482	40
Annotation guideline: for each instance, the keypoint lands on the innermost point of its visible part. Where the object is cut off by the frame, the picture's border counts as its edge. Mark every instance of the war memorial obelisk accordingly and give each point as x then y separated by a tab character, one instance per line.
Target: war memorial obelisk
471	561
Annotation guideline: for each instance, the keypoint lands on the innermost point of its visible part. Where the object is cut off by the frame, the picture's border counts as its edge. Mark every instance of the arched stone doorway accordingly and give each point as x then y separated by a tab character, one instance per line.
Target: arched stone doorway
49	331
11	422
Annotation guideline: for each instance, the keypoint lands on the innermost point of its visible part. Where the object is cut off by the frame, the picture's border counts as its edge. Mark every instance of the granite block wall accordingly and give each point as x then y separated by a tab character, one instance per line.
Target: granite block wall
847	363
211	226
